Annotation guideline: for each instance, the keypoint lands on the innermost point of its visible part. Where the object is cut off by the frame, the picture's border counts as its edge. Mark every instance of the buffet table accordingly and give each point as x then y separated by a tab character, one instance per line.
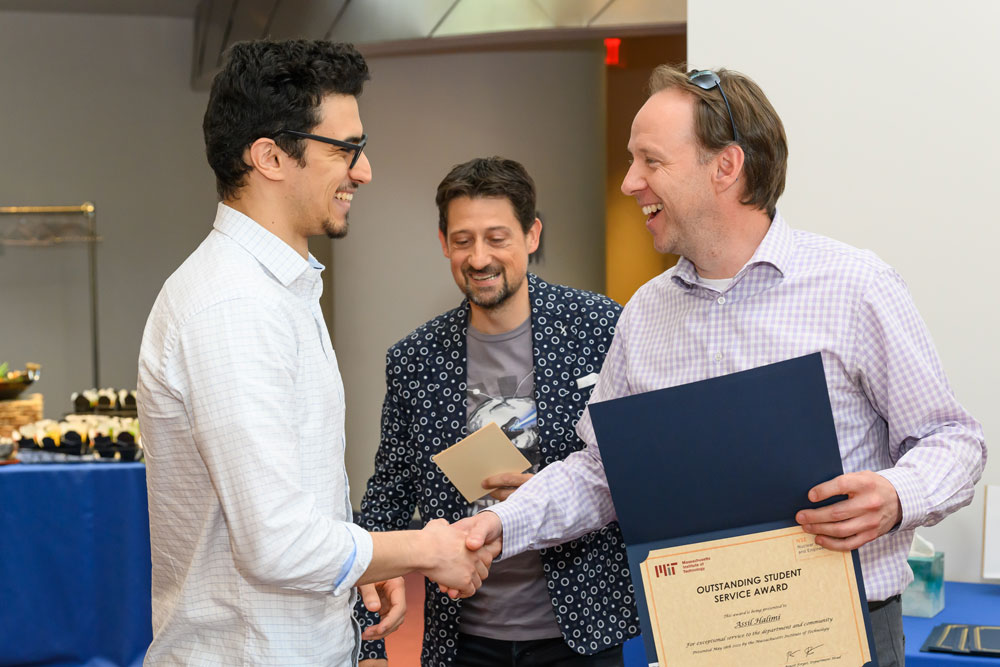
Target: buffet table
74	540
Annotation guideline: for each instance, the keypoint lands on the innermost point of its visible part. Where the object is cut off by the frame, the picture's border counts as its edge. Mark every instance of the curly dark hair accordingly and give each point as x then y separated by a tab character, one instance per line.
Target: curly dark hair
266	86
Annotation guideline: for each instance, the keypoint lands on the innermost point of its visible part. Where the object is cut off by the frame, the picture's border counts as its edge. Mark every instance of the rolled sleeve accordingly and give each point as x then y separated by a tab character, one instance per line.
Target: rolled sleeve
356	564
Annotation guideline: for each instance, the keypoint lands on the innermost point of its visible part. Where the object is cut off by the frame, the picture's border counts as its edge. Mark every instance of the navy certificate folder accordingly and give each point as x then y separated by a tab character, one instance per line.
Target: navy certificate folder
721	457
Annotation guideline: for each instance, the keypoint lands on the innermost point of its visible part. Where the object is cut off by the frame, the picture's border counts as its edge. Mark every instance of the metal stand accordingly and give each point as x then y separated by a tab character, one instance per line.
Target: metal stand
33	228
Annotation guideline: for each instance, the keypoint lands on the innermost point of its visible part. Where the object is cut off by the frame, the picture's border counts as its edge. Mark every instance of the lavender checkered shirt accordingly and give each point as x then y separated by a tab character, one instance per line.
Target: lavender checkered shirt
799	293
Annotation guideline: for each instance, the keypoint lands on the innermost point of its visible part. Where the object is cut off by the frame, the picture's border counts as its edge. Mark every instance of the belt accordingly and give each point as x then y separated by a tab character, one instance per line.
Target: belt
875	606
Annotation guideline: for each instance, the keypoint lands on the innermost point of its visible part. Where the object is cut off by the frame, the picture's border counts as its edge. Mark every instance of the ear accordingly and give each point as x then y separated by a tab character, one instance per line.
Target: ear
266	158
728	167
534	235
444	244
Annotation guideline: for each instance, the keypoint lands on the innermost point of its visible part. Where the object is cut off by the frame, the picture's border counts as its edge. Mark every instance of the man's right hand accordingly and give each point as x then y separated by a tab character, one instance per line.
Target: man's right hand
483	531
451	565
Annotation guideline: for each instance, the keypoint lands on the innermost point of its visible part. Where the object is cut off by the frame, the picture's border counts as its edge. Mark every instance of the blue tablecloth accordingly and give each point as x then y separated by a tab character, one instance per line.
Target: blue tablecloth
977	604
74	588
74	553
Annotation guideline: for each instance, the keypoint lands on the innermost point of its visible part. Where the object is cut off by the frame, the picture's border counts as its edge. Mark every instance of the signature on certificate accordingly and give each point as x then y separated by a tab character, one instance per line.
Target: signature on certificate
806	652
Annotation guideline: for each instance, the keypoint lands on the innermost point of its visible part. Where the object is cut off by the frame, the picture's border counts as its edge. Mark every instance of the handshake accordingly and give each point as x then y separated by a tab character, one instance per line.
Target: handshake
457	557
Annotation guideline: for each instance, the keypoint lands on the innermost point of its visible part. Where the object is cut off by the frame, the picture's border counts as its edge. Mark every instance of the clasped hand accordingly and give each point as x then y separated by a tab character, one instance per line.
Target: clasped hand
453	566
872	509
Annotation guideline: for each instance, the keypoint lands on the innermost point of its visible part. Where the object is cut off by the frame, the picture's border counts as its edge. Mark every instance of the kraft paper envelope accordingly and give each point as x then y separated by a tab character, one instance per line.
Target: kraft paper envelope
474	458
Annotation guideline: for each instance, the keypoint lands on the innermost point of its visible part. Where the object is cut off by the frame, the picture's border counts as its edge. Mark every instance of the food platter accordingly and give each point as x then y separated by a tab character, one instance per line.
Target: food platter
13	383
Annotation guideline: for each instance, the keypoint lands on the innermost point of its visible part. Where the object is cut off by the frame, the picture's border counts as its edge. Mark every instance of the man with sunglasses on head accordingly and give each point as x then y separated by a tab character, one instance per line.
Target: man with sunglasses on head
523	354
255	557
708	165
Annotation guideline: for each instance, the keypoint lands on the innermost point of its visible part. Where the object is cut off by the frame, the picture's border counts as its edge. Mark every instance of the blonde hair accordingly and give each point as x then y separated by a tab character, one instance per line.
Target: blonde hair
761	132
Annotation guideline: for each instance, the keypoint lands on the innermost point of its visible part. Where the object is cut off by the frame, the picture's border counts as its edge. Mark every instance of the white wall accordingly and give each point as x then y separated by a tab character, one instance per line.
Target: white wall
424	115
97	108
891	111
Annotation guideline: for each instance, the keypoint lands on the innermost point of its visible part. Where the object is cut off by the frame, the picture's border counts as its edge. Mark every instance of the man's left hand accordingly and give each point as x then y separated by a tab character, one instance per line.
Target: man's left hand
872	509
505	483
388	598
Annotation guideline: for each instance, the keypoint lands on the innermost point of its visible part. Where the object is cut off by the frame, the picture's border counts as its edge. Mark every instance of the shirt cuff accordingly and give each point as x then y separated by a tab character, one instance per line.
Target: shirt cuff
355	565
911	496
513	519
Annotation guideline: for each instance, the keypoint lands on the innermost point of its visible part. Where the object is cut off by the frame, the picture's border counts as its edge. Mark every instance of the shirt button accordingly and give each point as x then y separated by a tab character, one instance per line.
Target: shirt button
718	356
721	300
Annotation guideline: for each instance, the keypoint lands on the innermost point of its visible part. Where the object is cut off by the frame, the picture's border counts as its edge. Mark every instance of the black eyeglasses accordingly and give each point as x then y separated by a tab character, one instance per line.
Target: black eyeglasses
706	79
357	148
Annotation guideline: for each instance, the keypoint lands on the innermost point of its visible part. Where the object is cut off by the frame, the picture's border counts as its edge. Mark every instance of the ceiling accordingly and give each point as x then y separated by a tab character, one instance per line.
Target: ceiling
388	27
183	8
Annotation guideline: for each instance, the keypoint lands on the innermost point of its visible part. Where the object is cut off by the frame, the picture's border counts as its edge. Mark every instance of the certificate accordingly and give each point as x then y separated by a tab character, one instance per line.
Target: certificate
725	459
769	598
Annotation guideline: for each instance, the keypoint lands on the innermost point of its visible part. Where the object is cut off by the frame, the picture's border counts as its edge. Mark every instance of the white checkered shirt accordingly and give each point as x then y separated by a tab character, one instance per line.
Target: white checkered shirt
242	413
799	293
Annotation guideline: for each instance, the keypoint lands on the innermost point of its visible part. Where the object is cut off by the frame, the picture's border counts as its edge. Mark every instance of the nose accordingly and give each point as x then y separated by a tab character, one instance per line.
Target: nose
479	255
633	182
361	172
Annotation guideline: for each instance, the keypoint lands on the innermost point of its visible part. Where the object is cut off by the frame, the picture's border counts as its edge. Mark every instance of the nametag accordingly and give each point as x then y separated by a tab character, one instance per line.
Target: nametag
587	381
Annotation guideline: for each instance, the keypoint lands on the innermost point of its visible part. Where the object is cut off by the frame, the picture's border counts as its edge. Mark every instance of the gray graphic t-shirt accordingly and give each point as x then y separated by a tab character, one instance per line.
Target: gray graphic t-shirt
514	603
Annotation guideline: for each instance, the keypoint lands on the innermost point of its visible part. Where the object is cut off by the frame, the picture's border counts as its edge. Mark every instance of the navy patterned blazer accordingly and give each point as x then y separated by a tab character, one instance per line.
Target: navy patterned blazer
425	412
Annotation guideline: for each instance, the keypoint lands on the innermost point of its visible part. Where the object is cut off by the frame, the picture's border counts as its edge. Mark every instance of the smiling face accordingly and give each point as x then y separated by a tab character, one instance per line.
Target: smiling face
668	178
325	184
489	252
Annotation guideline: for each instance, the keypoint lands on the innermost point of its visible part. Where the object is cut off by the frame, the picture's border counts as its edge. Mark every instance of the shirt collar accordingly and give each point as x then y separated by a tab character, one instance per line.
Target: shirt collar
275	255
775	249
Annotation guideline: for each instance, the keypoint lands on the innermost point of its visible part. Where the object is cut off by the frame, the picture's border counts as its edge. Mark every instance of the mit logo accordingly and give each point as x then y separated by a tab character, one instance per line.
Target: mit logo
664	570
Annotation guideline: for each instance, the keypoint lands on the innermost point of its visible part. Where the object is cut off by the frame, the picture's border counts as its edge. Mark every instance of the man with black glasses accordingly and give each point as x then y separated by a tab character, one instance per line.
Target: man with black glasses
255	557
709	156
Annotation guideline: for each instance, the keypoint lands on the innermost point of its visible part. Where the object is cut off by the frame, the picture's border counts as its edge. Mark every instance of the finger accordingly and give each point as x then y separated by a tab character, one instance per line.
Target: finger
453	593
502	493
847	528
486	528
847	484
486	555
483	570
476	538
846	544
370	597
393	598
842	511
494	548
511	479
389	624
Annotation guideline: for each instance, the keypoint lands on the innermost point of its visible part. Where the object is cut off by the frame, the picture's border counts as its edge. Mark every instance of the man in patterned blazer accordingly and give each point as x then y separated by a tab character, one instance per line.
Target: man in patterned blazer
524	354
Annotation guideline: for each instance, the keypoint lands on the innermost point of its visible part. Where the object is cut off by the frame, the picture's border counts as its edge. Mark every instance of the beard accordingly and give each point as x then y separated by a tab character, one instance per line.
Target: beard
489	299
333	231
